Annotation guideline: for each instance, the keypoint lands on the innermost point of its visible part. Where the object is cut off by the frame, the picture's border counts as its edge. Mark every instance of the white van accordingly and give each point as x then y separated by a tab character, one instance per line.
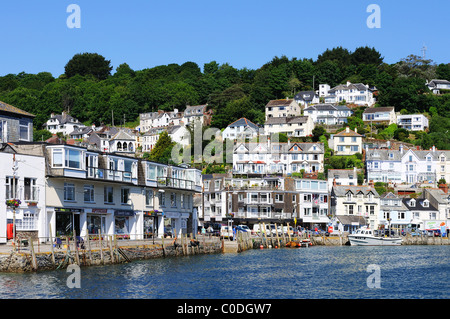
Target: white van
226	232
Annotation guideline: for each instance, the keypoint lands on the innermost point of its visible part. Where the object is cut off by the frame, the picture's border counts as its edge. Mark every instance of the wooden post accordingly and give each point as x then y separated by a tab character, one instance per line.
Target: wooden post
89	248
51	243
283	235
101	246
289	231
111	249
162	244
278	238
33	255
75	244
265	235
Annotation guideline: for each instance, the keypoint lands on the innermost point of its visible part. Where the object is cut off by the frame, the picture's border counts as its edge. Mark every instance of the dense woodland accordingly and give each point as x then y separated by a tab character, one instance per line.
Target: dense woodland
94	92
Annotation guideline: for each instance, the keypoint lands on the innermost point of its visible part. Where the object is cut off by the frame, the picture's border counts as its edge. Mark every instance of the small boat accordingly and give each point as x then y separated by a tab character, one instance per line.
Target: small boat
365	237
292	244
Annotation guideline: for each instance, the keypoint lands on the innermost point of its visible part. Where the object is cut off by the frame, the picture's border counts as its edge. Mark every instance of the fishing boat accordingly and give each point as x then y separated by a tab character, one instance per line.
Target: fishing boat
365	237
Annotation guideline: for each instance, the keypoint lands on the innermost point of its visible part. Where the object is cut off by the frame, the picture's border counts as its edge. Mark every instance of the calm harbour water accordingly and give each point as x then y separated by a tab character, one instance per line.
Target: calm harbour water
406	272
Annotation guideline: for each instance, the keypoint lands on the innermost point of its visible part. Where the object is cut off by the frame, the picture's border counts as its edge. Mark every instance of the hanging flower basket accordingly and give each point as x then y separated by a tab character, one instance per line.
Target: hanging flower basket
13	202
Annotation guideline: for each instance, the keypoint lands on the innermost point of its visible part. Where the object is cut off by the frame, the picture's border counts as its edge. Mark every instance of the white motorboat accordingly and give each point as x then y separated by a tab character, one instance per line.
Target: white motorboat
365	237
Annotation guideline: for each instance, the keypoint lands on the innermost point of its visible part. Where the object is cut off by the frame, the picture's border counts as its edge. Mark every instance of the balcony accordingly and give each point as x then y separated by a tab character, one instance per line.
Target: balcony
263	215
258	201
109	175
170	182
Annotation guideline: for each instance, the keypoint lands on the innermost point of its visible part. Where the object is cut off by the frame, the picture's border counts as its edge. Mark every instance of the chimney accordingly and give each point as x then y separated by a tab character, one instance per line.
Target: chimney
444	188
347	129
334	182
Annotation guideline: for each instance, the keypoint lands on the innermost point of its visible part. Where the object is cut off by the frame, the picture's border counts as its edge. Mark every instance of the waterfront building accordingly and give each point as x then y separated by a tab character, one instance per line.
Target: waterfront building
277	158
248	200
440	199
394	214
88	191
424	216
15	124
22	177
178	134
313	206
354	206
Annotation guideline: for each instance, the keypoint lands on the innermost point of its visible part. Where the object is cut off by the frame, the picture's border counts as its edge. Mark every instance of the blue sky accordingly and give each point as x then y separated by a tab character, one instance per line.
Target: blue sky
244	33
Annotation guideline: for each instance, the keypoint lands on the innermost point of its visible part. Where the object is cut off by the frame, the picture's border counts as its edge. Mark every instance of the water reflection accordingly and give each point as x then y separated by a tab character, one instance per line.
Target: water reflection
316	272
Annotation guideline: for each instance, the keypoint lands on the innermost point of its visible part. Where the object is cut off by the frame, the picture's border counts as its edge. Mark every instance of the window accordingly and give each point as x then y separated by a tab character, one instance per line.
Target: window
182	202
57	158
124	196
73	158
24	131
173	200
162	199
89	193
279	197
69	192
108	195
28	222
11	187
151	172
30	190
350	209
148	197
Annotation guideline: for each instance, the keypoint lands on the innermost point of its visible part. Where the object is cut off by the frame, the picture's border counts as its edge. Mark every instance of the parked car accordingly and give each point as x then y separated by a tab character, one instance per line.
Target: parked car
288	232
226	232
243	228
168	231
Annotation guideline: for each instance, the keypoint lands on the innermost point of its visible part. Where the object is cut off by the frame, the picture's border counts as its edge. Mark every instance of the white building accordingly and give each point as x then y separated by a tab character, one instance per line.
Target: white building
407	166
342	177
328	114
292	126
278	158
412	122
79	191
63	123
306	98
358	93
178	134
160	118
437	85
359	205
282	108
197	114
242	128
347	142
379	115
313	205
23	178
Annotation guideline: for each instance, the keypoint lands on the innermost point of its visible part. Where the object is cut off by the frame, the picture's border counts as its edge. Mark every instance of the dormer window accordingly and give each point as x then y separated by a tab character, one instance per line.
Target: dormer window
349	196
426	203
412	203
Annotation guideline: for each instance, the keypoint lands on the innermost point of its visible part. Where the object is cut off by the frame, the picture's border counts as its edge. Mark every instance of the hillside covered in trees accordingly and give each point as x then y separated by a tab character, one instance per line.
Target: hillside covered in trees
93	93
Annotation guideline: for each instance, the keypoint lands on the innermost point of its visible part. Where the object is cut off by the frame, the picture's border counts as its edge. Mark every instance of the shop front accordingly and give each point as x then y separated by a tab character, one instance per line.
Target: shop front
96	220
123	223
67	221
152	222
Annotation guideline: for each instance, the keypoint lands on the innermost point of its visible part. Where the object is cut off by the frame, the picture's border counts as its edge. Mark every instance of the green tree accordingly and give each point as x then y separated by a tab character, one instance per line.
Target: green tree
88	64
162	152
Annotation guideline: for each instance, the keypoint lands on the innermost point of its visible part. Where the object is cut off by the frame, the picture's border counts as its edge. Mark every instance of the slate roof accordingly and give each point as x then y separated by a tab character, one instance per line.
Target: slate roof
286	120
4	107
354	86
348	220
282	148
281	102
305	95
244	122
341	190
378	109
419	204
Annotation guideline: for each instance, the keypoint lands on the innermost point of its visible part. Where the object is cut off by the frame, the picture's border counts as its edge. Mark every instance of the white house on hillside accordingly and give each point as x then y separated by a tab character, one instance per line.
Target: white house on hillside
292	126
328	114
306	98
379	115
436	85
347	142
358	93
412	122
242	128
282	108
63	123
